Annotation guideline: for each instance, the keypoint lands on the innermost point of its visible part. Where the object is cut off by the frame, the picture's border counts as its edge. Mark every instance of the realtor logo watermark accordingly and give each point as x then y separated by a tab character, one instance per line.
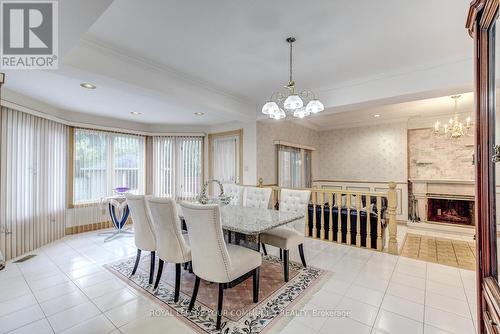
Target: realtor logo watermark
29	35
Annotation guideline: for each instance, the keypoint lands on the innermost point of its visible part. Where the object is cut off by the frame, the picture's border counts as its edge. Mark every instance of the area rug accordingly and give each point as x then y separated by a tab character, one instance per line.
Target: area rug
450	252
240	314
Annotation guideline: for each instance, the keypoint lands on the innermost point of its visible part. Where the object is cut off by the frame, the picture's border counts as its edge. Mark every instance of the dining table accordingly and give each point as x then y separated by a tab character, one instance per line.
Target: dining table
248	223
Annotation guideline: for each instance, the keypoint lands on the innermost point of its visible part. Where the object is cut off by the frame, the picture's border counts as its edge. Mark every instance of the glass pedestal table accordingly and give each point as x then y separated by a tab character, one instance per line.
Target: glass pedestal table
115	203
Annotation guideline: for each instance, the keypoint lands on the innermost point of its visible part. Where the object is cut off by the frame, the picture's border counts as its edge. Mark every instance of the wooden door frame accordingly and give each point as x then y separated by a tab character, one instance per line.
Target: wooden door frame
480	21
212	136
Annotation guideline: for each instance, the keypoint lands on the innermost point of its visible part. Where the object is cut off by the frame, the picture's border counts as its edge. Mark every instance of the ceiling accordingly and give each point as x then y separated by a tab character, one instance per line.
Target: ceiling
170	59
424	111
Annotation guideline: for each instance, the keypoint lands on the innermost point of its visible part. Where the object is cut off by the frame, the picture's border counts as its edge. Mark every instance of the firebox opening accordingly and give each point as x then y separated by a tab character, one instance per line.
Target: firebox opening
451	211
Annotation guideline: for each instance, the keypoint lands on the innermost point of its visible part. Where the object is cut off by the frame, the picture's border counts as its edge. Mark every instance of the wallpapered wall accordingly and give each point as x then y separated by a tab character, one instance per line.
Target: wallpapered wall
376	153
387	152
370	153
268	132
432	157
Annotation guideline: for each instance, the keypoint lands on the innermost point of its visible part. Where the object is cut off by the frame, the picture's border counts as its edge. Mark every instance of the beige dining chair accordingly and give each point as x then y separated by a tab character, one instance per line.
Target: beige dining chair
143	231
213	260
291	235
171	245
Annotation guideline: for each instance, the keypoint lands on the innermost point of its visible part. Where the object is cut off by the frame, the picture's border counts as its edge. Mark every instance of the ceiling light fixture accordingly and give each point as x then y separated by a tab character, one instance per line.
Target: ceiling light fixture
136	113
199	113
455	127
376	115
87	85
300	104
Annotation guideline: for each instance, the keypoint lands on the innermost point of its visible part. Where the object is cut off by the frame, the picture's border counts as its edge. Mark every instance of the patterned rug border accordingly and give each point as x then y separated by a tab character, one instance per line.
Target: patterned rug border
276	323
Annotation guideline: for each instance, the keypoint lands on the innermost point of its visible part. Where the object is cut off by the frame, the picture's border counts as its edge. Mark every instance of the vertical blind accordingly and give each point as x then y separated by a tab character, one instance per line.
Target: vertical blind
33	181
104	161
90	165
294	167
128	162
289	167
226	159
163	166
177	166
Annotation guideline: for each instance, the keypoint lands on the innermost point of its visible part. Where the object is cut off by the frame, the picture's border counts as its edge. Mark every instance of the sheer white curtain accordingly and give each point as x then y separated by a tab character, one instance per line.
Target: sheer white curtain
226	159
177	166
33	155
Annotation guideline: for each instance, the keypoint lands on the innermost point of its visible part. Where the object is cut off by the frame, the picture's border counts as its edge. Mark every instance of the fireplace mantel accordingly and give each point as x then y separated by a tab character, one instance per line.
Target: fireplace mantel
445	187
443	181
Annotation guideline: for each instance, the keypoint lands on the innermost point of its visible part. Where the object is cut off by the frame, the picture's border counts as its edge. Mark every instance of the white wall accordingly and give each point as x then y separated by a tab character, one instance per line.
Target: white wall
249	148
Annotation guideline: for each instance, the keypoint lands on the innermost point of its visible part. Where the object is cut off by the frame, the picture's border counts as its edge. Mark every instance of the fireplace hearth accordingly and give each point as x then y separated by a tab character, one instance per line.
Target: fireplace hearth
450	211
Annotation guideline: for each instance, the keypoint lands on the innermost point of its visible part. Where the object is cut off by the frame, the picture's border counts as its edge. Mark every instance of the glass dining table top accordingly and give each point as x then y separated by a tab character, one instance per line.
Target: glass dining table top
253	221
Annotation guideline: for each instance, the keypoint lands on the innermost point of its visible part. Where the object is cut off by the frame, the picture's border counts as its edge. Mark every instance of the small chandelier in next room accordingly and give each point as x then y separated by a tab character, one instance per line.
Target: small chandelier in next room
299	104
455	128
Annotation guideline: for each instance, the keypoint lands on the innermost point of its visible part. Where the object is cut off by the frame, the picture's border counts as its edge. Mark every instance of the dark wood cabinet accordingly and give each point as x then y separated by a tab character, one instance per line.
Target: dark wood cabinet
481	23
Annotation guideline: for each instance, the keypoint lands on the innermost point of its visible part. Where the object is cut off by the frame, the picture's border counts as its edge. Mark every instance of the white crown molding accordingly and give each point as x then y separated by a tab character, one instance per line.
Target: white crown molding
363	124
405	86
61	119
393	74
130	57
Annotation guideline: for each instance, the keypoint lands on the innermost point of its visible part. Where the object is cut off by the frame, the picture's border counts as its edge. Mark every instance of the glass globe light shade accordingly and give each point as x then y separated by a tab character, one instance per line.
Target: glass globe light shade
270	108
293	102
278	115
301	113
315	106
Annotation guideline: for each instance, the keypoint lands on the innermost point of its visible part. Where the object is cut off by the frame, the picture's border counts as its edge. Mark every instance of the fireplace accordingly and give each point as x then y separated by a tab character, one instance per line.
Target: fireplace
450	211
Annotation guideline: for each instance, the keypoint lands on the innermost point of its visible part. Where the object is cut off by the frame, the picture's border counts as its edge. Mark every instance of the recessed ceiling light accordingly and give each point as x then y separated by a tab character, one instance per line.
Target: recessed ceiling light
377	115
87	85
136	113
199	113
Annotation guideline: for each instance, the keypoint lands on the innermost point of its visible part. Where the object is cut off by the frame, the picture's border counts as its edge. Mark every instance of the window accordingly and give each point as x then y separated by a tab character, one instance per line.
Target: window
226	156
294	167
178	166
128	160
226	159
104	161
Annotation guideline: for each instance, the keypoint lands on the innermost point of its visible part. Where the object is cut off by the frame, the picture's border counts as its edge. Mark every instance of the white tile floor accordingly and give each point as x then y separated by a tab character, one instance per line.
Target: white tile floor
65	289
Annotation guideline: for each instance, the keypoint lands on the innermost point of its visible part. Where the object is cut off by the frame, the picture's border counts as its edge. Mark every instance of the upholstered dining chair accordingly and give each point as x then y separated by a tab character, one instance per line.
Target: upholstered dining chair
213	260
143	230
235	191
254	197
291	235
171	245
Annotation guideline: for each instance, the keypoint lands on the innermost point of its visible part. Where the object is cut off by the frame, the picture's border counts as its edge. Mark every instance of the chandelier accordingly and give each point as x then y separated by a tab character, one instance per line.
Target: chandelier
455	127
300	104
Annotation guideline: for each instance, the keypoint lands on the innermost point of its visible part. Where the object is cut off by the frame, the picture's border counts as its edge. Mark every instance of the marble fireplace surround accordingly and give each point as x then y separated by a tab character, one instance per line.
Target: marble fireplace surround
423	189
